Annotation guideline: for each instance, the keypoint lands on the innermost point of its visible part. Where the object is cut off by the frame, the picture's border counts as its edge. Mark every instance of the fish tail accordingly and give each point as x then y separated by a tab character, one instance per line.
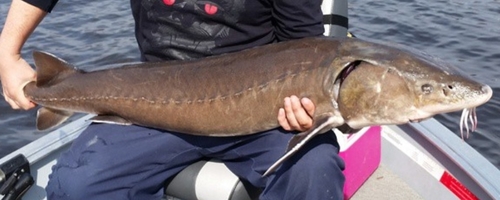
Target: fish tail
50	69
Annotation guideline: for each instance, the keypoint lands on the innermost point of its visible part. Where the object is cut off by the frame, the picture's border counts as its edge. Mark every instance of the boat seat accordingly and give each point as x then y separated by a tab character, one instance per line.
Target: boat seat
209	180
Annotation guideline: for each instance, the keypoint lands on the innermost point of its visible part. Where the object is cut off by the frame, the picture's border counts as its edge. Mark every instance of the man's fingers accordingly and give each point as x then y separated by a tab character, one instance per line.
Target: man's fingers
308	105
18	103
290	115
296	114
22	101
11	102
282	120
302	117
25	104
15	74
297	117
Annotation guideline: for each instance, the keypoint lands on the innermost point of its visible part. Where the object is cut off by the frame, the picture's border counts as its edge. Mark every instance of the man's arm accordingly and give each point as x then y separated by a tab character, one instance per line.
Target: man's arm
15	72
296	19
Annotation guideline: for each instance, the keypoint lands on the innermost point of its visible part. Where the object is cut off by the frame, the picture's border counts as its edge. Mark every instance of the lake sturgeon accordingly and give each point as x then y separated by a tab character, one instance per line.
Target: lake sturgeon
351	81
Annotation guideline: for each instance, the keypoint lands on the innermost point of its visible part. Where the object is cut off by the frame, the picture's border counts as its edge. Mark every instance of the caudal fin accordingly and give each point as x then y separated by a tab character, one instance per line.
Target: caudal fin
48	118
50	69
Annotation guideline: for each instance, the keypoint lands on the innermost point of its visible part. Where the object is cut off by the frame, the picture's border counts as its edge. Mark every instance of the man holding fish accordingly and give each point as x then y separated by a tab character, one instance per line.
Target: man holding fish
132	162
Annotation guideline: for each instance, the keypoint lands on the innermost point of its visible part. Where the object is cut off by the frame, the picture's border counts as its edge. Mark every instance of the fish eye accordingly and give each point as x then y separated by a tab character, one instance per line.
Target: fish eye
427	88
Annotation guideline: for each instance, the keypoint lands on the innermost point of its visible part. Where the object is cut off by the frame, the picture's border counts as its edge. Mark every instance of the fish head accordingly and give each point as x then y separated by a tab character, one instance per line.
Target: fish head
444	91
396	85
373	95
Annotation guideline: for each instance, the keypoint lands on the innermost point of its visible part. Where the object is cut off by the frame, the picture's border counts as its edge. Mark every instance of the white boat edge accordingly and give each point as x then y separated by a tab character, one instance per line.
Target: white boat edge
425	149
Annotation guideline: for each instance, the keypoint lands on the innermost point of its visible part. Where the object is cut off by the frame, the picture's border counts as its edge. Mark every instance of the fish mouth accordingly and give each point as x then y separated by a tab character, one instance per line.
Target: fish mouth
418	119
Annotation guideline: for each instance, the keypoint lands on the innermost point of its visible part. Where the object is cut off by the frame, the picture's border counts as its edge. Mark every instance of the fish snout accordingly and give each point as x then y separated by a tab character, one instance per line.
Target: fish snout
486	89
478	95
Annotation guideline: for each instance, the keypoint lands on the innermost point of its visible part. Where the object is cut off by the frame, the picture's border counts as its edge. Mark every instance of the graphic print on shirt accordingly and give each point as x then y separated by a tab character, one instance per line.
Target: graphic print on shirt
183	26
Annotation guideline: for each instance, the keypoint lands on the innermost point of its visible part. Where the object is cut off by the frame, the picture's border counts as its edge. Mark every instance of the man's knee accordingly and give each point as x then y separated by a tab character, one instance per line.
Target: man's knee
317	163
315	172
320	154
70	182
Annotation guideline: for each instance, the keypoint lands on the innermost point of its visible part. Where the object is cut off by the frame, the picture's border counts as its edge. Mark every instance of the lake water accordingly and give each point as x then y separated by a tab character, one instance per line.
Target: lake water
93	34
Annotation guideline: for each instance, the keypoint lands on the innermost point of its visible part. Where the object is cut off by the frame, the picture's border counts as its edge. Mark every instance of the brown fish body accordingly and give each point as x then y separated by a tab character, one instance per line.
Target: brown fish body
233	94
350	81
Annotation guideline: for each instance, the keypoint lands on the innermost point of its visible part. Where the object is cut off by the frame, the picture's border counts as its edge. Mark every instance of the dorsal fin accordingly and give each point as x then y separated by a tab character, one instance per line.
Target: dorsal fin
50	69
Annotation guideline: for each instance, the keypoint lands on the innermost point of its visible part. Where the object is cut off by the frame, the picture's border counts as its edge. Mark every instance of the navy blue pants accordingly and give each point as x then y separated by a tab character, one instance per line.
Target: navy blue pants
132	162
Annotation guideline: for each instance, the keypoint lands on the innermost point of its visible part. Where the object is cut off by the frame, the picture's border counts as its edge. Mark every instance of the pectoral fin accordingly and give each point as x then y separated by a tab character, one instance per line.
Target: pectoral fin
321	125
110	119
48	118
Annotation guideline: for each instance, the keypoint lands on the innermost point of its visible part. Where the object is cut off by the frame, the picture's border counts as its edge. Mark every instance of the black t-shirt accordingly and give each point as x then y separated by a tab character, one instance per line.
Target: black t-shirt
186	29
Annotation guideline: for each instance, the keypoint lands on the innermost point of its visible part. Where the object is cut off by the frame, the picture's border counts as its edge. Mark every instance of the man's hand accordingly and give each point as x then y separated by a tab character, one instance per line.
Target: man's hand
296	114
15	73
